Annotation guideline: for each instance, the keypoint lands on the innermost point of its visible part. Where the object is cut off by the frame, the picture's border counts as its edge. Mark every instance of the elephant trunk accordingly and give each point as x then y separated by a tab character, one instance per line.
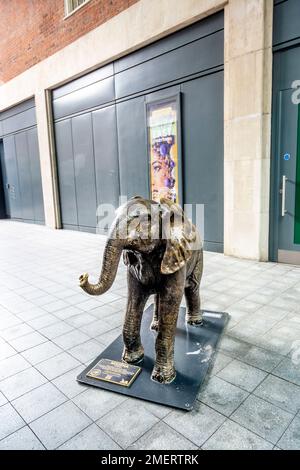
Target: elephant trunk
111	258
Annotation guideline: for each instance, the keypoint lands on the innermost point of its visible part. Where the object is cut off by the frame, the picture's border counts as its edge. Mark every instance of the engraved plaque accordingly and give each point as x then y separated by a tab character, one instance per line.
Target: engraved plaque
115	372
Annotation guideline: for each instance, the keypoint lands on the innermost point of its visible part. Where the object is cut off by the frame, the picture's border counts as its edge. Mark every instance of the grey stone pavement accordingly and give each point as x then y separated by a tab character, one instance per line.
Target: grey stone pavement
49	330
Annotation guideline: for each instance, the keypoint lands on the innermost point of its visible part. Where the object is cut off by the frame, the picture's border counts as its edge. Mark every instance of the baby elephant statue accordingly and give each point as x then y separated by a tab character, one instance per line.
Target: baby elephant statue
164	255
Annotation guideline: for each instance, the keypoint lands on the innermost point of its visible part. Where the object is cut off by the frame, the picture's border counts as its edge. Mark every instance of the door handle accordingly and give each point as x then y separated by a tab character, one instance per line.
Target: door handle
283	194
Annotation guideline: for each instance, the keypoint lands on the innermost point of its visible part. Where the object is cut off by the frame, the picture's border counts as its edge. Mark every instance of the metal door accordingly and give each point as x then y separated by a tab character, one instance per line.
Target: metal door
3	191
24	172
84	167
66	175
288	156
106	155
20	164
12	178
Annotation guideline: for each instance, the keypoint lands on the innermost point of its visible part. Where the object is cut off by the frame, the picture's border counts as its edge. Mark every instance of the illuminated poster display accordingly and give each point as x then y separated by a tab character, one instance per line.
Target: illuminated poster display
163	147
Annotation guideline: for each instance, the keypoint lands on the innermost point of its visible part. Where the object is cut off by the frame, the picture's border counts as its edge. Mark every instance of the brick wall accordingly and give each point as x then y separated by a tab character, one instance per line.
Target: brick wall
31	30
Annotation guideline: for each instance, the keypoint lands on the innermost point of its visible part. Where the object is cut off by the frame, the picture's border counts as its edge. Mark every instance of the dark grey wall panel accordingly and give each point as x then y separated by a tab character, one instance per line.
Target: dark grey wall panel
35	170
19	108
5	181
286	26
192	58
84	170
24	175
106	155
65	166
88	79
202	121
21	163
287	68
19	121
88	97
173	41
12	179
132	138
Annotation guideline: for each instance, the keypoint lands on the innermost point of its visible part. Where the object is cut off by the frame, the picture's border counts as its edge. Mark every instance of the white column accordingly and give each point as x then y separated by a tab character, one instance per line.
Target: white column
47	160
248	85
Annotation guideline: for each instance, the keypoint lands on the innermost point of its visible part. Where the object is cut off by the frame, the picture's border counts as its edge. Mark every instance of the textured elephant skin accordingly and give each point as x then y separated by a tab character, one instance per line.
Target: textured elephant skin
168	265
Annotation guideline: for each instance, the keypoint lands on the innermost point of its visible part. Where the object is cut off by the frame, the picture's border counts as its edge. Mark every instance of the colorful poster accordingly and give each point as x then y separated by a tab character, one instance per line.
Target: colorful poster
163	148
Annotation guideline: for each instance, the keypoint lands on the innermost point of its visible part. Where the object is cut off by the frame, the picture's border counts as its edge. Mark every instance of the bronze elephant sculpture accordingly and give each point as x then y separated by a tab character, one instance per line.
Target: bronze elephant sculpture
164	255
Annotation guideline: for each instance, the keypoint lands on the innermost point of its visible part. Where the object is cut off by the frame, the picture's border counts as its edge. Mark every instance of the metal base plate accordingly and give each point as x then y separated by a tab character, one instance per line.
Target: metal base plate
194	352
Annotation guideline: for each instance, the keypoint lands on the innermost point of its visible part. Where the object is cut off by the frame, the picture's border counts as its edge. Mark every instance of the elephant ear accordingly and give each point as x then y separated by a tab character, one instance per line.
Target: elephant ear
180	235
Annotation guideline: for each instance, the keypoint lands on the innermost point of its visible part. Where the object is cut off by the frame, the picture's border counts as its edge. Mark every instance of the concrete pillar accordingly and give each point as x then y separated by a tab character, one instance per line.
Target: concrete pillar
47	158
248	84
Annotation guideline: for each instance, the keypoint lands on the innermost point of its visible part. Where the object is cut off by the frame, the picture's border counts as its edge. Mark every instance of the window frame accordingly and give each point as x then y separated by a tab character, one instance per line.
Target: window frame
67	8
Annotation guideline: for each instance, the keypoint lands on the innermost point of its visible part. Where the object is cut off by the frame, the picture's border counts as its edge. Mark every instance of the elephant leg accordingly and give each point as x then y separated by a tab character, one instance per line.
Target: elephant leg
154	323
164	369
193	315
192	295
133	350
